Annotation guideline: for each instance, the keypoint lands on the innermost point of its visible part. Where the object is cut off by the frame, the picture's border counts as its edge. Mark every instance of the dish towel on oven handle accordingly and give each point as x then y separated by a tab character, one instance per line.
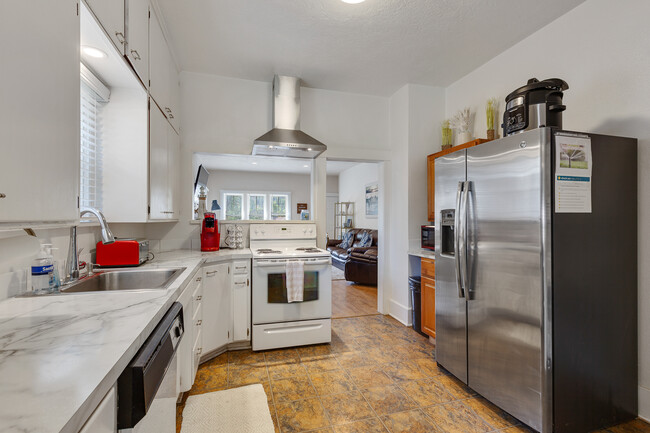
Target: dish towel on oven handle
295	280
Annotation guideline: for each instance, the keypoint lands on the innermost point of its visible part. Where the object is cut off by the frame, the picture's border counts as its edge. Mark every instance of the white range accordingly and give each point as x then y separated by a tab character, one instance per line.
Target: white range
276	322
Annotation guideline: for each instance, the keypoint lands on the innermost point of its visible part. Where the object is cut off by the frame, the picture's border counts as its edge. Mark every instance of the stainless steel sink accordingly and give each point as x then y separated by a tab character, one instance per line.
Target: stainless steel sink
133	279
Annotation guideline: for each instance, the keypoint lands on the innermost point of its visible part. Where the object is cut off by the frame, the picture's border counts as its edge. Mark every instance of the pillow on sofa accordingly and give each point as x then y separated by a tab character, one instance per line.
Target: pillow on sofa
366	240
346	242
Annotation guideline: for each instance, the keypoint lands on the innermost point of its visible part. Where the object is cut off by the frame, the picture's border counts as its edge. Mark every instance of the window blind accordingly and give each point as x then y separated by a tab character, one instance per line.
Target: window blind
91	169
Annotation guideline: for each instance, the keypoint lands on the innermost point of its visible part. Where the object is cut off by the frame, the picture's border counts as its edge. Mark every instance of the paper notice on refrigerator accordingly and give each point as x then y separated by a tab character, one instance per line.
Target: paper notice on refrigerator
573	166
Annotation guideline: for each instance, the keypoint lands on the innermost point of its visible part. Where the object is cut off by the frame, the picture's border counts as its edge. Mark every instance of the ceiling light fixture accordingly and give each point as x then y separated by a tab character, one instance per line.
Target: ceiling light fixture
254	163
94	52
353	2
306	166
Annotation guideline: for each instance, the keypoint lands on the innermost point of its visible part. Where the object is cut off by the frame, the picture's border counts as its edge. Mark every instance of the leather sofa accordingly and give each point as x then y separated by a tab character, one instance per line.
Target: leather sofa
358	263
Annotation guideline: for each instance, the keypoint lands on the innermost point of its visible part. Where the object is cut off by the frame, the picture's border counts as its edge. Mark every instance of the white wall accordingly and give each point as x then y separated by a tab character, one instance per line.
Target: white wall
352	187
332	184
602	49
296	184
416	112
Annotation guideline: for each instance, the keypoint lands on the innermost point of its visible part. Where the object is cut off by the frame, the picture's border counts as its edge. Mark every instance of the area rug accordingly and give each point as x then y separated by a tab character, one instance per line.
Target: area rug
237	410
337	274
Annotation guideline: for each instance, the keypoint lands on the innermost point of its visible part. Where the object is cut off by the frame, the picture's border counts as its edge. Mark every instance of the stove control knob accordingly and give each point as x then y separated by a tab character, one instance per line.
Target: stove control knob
311	231
304	230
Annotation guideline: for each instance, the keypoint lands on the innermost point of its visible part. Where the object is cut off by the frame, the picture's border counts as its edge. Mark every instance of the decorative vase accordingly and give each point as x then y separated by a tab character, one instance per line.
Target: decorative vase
464	137
490	134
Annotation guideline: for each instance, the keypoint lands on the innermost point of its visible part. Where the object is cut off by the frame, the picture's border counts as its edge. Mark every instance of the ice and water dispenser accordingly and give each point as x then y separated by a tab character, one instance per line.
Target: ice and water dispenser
447	218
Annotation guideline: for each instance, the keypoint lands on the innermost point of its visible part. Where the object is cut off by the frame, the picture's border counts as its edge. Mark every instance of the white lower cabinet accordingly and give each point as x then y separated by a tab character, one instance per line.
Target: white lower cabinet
191	301
217	305
104	418
241	307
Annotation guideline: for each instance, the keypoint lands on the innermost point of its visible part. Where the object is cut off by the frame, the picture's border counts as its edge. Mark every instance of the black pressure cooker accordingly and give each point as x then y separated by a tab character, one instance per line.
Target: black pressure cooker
537	104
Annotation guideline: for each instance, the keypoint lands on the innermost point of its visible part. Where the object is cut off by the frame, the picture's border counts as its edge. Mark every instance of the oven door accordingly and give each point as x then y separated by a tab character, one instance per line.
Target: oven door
270	291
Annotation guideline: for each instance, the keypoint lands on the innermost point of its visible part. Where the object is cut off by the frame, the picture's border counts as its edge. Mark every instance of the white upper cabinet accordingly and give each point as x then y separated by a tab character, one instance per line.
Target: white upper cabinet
137	37
39	112
110	14
163	75
164	150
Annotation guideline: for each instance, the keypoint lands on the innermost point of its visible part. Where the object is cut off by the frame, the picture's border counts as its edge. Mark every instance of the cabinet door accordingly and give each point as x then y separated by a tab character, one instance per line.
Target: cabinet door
137	37
104	418
173	167
39	137
241	307
110	14
217	307
159	61
185	358
172	111
431	188
158	165
428	306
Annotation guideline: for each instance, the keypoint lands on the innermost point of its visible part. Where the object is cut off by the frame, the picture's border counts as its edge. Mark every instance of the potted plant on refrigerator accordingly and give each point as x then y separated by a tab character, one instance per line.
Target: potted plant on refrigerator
491	109
462	122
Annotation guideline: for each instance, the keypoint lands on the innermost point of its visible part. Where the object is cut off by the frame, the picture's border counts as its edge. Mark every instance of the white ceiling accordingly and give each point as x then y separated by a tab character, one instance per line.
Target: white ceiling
263	164
373	47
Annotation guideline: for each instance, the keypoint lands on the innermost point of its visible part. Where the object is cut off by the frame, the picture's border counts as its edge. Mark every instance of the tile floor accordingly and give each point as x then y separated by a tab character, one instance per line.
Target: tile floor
375	376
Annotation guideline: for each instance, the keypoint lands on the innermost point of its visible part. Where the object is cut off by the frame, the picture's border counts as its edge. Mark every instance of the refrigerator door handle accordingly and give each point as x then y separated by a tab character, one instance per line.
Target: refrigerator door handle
457	236
464	263
462	242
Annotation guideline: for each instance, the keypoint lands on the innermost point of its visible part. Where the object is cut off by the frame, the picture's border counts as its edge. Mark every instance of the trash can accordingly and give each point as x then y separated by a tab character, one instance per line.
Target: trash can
415	283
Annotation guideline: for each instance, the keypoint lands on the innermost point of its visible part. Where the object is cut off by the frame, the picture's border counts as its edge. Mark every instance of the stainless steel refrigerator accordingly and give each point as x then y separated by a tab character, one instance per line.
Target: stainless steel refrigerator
536	307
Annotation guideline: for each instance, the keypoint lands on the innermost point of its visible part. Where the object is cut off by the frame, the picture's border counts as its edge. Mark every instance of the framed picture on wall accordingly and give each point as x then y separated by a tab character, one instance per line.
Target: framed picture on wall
372	200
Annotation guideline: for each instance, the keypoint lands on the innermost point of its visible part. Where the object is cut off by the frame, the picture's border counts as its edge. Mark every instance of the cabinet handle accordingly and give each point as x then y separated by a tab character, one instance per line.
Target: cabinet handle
241	267
199	279
199	322
167	212
248	283
135	55
169	112
2	195
209	274
120	37
248	331
198	298
199	350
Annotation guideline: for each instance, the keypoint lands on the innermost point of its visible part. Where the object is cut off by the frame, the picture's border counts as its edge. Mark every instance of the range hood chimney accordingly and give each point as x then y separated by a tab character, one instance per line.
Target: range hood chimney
286	138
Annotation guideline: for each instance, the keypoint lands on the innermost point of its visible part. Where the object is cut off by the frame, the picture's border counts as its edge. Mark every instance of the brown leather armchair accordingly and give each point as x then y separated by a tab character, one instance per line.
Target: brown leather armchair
358	263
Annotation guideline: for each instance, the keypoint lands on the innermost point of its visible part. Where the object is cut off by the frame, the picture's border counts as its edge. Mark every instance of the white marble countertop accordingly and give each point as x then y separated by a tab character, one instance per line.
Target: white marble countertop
421	252
61	354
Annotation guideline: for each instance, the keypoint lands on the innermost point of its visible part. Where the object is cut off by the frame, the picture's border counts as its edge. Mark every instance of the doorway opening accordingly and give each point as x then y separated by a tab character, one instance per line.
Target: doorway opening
353	201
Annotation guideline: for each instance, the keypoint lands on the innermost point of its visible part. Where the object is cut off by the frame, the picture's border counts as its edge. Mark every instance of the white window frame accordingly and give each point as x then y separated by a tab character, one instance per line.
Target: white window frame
265	215
225	203
287	214
246	203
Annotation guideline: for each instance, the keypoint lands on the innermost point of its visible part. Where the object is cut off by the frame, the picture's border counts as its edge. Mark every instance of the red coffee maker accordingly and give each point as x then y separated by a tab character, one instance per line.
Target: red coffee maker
210	232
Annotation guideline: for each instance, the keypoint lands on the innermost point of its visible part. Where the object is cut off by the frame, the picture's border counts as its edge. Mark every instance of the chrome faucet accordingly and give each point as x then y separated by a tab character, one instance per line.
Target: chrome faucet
72	263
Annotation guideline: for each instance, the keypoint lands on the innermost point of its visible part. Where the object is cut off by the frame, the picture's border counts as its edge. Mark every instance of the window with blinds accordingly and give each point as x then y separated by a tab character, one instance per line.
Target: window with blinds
90	186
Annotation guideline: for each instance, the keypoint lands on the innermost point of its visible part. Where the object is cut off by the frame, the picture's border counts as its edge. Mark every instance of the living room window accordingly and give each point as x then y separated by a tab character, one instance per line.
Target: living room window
256	206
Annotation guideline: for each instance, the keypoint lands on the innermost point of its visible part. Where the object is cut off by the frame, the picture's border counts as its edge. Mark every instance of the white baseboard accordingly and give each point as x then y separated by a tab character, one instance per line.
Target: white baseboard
400	312
644	403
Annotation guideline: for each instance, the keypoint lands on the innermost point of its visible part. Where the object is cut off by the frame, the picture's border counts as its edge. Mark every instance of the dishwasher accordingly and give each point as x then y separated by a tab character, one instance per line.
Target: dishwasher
147	389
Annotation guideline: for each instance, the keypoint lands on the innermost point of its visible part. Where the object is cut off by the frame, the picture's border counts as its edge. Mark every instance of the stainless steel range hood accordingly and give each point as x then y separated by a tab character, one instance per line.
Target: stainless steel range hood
286	138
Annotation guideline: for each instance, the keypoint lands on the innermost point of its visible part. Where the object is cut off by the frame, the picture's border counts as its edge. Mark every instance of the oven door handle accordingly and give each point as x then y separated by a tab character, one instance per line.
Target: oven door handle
265	264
